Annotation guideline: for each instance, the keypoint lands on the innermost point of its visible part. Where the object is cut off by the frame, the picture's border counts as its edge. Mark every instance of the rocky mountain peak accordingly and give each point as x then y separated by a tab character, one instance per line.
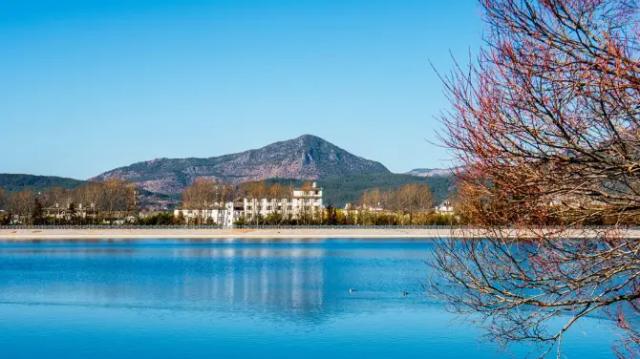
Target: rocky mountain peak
304	157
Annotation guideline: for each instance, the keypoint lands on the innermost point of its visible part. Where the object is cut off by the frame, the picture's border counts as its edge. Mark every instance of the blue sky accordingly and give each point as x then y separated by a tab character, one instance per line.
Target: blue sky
88	85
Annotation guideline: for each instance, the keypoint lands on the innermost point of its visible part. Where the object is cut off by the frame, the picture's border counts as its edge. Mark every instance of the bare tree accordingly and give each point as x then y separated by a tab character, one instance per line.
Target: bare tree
3	199
546	127
260	189
114	195
373	198
57	195
254	189
408	199
22	205
278	191
89	195
200	195
412	198
108	197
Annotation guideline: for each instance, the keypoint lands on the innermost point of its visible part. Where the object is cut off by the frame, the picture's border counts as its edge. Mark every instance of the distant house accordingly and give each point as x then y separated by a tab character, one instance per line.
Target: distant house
70	211
377	208
444	208
304	201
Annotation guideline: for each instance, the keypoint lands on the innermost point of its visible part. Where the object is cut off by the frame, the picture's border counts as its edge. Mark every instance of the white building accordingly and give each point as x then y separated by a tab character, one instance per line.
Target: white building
444	208
303	202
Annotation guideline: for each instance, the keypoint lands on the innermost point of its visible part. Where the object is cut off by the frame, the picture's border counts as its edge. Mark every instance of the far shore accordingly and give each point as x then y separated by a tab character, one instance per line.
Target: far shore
8	234
217	233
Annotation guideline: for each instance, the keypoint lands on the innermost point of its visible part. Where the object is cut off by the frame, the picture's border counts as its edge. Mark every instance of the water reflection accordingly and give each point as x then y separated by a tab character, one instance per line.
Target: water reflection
305	280
204	299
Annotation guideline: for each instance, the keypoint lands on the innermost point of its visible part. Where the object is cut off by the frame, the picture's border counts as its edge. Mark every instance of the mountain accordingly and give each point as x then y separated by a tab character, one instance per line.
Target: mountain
431	172
306	157
19	182
343	175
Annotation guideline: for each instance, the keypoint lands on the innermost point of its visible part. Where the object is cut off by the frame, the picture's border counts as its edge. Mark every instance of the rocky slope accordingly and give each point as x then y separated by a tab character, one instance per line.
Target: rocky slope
305	157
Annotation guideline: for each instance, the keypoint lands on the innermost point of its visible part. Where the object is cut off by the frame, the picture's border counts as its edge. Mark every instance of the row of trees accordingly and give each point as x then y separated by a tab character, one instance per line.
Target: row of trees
408	198
364	217
411	204
207	193
103	200
98	201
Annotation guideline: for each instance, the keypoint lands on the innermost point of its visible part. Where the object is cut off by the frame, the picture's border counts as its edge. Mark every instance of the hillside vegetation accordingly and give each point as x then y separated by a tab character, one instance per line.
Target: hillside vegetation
339	191
20	182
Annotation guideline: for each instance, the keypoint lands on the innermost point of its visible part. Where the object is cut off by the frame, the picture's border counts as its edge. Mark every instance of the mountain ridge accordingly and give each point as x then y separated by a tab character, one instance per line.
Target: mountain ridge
305	157
344	175
19	181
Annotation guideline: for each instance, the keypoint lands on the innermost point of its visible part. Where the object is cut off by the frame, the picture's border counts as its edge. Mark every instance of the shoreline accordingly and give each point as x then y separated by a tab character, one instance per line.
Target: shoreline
31	234
210	233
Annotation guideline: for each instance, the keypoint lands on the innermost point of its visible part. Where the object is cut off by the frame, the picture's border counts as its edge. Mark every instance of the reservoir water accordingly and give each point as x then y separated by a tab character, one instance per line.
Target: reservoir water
238	299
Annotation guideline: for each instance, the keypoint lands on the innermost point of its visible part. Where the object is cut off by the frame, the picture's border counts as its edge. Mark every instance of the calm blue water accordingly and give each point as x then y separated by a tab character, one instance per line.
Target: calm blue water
212	299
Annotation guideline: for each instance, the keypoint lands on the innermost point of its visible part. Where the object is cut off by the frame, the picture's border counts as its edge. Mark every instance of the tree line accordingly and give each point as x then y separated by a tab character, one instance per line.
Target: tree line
410	204
408	198
94	202
105	202
206	193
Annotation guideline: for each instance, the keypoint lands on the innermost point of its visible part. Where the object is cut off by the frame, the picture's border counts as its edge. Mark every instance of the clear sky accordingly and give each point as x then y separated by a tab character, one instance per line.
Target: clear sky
90	85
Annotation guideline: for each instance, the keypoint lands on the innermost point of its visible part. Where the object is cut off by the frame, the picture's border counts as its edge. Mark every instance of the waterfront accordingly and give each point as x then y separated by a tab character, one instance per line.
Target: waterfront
179	298
270	233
